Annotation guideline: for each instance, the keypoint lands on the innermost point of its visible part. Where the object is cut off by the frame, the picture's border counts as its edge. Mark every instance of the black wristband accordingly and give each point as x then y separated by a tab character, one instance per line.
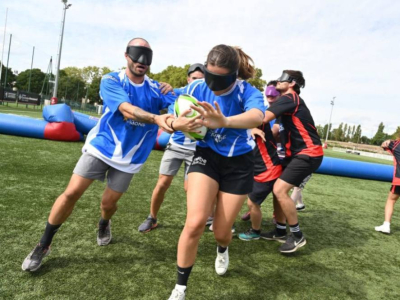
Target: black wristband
172	127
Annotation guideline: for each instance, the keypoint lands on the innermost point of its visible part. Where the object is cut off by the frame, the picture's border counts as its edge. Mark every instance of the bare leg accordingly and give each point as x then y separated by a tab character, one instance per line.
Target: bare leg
109	203
227	209
201	189
281	191
157	198
255	214
65	203
389	207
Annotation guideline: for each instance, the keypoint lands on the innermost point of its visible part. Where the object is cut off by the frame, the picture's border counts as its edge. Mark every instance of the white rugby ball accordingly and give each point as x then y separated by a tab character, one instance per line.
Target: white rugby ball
183	103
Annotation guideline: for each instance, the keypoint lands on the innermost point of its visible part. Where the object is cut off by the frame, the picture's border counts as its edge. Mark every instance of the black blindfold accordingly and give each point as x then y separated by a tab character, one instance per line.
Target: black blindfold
217	82
140	54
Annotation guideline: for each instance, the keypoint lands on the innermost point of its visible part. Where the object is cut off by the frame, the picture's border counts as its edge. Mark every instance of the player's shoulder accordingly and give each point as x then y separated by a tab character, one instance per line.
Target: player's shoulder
116	76
195	85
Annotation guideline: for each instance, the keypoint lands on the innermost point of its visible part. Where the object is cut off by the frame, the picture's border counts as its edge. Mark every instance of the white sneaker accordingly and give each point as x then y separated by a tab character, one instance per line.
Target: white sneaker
222	262
177	295
383	228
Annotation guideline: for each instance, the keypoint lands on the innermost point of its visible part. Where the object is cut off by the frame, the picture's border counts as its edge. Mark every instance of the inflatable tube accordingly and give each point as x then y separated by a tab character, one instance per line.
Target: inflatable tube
62	131
58	113
355	169
22	126
84	123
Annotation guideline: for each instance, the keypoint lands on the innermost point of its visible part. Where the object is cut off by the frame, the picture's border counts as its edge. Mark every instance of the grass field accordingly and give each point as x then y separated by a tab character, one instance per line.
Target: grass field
343	259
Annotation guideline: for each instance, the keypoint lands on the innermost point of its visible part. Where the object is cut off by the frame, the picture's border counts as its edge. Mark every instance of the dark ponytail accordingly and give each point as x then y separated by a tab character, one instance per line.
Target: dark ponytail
232	58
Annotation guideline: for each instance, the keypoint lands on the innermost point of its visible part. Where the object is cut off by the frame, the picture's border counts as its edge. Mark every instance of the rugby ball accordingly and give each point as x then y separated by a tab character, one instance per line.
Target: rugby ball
183	103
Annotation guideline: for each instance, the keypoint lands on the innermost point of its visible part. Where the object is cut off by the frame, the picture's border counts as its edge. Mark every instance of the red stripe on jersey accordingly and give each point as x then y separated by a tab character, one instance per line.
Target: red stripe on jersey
272	171
311	150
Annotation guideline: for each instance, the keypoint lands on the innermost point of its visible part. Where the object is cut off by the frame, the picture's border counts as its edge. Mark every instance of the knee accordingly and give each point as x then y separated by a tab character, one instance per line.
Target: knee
223	236
279	193
194	228
108	205
71	196
163	184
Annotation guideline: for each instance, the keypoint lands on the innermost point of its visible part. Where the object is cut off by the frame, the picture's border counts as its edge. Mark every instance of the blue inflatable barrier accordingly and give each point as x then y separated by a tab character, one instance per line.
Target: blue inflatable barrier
22	126
58	113
355	169
84	123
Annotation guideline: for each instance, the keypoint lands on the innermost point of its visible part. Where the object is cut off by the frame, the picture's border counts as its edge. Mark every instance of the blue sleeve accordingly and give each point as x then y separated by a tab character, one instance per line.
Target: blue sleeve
112	93
167	99
253	99
171	108
179	91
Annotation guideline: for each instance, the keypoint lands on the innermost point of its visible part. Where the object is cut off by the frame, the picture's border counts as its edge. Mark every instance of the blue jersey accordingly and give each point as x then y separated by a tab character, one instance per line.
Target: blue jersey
122	143
178	138
241	98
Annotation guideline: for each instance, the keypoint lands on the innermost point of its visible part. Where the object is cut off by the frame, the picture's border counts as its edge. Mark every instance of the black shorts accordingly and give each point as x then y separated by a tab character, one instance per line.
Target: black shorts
296	168
395	189
233	174
260	191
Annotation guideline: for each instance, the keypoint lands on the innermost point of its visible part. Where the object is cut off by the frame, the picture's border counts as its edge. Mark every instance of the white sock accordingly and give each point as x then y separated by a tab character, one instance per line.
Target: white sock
181	288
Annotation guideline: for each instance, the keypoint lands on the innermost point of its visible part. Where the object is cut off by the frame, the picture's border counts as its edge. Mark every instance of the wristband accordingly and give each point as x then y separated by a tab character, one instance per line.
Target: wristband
172	127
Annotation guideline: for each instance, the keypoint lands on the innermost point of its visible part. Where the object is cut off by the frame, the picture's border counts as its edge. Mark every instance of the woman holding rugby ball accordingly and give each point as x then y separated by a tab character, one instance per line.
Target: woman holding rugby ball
223	163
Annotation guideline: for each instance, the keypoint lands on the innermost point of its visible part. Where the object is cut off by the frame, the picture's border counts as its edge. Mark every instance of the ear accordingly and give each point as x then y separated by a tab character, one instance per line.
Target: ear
292	84
188	78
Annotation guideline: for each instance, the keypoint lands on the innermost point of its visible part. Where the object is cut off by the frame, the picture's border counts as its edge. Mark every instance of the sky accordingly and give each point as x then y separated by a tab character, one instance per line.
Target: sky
346	49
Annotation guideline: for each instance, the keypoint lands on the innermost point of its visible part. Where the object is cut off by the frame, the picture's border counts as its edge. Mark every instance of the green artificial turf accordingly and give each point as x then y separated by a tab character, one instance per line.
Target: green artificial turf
344	257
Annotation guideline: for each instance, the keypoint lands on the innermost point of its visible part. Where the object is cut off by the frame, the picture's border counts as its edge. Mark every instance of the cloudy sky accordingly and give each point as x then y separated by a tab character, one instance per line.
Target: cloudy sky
346	49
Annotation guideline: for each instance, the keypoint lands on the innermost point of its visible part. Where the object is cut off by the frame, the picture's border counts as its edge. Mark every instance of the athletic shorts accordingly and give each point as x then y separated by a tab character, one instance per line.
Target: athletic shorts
173	158
260	191
297	168
91	167
233	174
395	189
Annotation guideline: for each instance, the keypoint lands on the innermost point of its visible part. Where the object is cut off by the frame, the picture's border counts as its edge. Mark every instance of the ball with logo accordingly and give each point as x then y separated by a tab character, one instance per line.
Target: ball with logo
183	103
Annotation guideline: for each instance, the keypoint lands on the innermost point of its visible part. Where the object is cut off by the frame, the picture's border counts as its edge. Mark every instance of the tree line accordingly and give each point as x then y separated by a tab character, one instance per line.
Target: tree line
353	133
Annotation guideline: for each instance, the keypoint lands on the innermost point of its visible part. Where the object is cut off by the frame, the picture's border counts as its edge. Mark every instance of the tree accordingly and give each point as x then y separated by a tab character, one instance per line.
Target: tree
320	131
175	76
365	140
37	78
348	135
379	136
357	135
396	134
257	82
343	137
338	133
11	77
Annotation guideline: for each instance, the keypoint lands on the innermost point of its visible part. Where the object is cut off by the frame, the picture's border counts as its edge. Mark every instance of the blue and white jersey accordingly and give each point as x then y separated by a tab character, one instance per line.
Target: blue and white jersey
240	98
122	143
178	138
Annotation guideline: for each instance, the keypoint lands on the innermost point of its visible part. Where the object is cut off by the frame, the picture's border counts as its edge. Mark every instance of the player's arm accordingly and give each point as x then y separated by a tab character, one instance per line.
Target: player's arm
130	111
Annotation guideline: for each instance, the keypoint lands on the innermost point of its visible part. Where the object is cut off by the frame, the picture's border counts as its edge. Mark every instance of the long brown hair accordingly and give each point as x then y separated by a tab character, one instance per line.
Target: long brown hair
232	58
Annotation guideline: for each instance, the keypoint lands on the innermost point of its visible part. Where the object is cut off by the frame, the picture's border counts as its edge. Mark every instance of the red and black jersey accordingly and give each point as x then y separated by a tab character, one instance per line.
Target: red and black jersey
300	135
267	165
394	149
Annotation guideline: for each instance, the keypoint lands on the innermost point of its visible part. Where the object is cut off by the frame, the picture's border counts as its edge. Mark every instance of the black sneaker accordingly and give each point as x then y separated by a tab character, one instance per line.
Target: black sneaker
104	235
292	244
34	259
149	224
273	236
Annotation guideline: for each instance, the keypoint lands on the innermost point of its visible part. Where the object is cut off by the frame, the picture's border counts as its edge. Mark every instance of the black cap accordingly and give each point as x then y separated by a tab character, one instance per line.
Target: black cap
196	67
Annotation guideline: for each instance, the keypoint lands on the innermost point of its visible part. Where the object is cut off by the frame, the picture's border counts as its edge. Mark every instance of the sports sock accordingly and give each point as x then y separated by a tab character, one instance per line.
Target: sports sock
280	228
103	223
256	231
221	249
295	229
183	276
48	235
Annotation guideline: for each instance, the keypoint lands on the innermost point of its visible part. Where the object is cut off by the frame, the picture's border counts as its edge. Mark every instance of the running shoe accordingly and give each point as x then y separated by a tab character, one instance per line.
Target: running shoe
149	224
249	235
300	207
34	259
222	262
273	236
177	295
383	228
292	244
104	235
